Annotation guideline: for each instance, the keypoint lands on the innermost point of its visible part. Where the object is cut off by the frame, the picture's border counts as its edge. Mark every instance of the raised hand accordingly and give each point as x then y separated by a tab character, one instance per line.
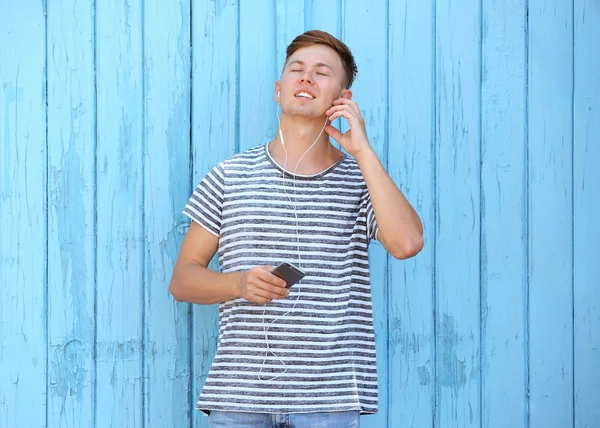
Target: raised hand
355	140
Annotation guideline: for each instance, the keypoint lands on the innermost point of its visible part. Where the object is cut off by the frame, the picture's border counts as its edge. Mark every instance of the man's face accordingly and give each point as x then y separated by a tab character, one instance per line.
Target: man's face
311	79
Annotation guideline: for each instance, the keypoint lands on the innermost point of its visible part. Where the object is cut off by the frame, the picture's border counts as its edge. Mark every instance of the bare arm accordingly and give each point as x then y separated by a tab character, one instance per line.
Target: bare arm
193	282
400	229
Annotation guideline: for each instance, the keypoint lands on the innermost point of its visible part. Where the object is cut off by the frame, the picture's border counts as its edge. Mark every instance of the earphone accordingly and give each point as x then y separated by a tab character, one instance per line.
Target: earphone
265	329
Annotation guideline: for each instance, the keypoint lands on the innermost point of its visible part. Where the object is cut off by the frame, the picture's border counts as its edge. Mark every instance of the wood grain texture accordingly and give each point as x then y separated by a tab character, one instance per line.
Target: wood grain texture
370	91
71	213
323	15
23	229
458	215
586	205
215	124
167	401
411	348
487	115
120	286
289	23
550	213
257	73
503	196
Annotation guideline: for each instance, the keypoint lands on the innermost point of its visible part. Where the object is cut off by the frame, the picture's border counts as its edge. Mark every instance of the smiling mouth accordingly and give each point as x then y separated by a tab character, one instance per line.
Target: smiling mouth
304	95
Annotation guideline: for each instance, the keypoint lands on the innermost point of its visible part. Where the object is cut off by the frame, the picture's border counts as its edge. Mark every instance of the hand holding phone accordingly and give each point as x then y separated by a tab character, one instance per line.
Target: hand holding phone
260	285
289	273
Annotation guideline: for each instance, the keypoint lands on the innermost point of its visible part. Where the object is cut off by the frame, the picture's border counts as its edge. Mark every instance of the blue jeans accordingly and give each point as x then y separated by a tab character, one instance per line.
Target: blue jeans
218	419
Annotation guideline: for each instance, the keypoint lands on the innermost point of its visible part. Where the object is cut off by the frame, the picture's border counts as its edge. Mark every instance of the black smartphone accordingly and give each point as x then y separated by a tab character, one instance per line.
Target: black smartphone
289	273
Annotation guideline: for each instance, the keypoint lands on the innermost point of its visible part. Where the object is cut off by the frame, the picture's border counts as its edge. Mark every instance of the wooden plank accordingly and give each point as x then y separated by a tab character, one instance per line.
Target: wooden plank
550	236
503	193
289	16
214	138
23	251
120	124
411	165
323	15
71	213
167	399
550	213
257	50
586	205
370	92
458	43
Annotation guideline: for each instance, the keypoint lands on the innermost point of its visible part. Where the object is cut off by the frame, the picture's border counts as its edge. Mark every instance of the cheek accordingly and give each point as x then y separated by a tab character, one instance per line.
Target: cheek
330	97
332	89
285	83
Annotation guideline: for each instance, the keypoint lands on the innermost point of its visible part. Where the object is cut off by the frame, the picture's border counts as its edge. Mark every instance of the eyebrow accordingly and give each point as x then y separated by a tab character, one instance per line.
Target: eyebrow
319	64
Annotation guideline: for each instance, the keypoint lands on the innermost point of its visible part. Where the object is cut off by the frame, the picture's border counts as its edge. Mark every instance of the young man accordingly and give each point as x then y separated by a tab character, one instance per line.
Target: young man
304	355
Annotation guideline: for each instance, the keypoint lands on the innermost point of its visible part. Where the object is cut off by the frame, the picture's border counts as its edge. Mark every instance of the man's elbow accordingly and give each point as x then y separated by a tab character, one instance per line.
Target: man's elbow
176	291
407	248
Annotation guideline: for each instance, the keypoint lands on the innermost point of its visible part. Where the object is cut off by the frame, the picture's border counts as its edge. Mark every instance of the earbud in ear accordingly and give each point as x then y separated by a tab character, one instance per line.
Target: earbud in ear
278	95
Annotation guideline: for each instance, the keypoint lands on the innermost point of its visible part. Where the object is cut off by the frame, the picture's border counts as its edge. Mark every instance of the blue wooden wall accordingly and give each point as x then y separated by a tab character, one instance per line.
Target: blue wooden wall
486	113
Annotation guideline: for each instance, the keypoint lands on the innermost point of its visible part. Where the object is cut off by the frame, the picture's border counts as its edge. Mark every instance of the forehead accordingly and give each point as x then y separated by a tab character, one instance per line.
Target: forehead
316	54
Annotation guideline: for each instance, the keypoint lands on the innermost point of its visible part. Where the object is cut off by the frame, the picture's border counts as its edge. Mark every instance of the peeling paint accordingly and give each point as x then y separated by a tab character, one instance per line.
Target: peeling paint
452	372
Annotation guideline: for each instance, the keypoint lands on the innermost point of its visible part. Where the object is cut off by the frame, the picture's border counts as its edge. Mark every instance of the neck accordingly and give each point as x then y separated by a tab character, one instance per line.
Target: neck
299	134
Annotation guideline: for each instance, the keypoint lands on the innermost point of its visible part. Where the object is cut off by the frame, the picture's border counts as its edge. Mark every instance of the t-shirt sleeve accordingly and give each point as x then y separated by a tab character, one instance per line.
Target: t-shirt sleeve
205	206
372	228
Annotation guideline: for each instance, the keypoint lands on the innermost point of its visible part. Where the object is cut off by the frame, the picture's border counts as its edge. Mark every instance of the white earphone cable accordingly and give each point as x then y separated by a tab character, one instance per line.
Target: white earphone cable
294	205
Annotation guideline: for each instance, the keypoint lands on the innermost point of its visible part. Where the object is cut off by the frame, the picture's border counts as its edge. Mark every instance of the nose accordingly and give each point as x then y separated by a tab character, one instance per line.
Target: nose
306	78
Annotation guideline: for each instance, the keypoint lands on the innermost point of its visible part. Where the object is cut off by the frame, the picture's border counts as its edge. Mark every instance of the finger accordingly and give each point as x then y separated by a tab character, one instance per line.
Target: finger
334	133
256	295
261	293
351	103
342	113
338	108
269	292
267	281
276	289
342	100
267	276
275	280
276	292
256	286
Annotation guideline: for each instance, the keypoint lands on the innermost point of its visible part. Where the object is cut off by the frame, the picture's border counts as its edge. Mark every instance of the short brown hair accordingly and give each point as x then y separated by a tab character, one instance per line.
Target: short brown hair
318	37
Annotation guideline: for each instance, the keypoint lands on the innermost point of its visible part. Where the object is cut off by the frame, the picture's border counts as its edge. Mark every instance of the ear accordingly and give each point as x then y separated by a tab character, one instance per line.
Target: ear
277	89
346	93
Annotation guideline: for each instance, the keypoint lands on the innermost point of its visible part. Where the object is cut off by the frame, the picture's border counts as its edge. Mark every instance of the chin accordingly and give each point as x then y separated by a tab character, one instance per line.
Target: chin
306	113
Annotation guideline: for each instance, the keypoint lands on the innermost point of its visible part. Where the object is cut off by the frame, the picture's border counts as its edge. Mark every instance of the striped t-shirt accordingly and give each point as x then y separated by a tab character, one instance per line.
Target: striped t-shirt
313	351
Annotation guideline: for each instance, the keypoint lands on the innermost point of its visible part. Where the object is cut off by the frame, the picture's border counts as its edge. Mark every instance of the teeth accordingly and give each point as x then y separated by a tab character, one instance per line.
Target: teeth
305	95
